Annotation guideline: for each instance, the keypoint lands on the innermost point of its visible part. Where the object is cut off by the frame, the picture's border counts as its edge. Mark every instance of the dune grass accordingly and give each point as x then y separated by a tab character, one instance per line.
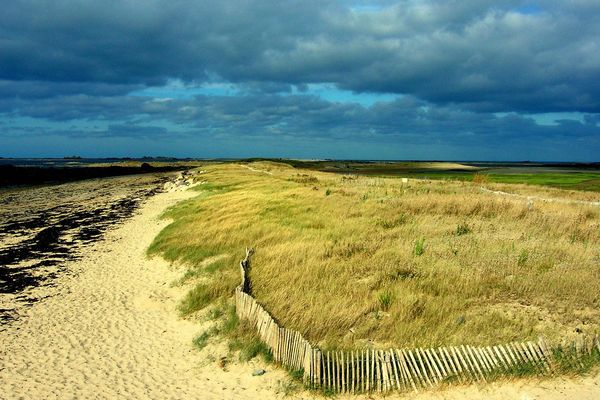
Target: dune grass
351	261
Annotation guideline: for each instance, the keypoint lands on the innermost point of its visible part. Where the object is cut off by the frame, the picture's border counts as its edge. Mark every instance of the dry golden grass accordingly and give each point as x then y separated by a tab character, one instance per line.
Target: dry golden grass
352	260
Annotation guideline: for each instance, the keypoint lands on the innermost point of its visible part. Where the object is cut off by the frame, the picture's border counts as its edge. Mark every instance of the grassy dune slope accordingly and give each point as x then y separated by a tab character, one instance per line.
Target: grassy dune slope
351	260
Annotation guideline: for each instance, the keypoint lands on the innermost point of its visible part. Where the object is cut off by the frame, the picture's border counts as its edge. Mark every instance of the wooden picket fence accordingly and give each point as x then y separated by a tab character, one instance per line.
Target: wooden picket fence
371	370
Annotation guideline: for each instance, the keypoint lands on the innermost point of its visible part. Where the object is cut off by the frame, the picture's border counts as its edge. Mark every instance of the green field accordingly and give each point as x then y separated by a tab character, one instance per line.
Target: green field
351	260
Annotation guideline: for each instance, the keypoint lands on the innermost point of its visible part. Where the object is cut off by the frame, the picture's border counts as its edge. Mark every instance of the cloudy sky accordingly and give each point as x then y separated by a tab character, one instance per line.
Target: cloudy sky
456	79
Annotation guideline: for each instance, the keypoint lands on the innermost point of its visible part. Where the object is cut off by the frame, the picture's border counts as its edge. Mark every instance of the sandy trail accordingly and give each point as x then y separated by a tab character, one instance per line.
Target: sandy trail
113	333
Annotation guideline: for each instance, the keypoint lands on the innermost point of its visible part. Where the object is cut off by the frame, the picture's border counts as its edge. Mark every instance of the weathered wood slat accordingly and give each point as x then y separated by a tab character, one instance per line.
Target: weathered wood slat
470	357
405	367
395	371
451	363
504	363
417	370
423	367
441	357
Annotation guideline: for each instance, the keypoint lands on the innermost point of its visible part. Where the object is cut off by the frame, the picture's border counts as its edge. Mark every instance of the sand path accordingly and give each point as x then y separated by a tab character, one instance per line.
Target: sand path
112	333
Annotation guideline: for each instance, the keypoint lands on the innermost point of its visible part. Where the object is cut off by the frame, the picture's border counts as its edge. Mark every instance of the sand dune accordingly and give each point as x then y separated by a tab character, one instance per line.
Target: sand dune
112	332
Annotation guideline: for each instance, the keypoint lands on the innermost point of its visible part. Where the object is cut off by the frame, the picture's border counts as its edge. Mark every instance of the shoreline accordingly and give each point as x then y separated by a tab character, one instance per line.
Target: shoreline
112	331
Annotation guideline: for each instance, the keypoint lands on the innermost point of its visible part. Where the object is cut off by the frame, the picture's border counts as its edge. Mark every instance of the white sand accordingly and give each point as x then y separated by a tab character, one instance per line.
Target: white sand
112	332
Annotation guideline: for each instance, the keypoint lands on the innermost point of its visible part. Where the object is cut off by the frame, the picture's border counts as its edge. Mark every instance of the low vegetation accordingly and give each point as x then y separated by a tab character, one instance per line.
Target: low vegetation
352	260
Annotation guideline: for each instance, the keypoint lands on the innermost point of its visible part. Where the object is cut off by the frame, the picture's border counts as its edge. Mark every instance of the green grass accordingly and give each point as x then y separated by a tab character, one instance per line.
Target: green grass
201	340
322	261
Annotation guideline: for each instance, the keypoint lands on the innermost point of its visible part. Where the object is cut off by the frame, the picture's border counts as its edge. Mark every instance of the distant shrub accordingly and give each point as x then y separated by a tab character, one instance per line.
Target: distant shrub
390	223
402	273
462	229
523	257
327	192
304	178
385	299
419	248
481	178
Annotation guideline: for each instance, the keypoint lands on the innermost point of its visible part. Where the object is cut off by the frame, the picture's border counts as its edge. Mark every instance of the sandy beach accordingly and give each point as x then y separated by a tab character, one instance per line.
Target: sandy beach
112	332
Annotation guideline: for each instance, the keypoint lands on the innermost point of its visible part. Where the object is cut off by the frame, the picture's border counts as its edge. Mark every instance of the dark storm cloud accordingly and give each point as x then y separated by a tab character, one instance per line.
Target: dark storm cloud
407	120
44	89
483	55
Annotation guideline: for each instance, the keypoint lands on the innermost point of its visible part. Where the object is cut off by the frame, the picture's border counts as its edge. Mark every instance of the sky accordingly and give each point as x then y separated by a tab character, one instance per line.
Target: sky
452	80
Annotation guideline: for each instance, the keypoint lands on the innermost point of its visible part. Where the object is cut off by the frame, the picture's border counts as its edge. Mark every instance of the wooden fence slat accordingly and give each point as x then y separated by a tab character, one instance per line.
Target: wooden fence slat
490	360
296	354
417	369
344	375
329	372
452	370
439	363
525	352
319	374
288	335
352	371
501	359
481	356
520	357
445	362
435	371
285	347
385	371
314	374
513	354
403	377
547	352
459	363
422	367
405	367
538	355
395	369
368	370
380	369
293	352
478	360
339	370
377	369
506	355
473	361
366	363
372	374
361	363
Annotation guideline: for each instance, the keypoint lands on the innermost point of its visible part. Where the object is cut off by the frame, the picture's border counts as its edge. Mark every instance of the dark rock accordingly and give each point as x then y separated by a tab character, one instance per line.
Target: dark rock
47	236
